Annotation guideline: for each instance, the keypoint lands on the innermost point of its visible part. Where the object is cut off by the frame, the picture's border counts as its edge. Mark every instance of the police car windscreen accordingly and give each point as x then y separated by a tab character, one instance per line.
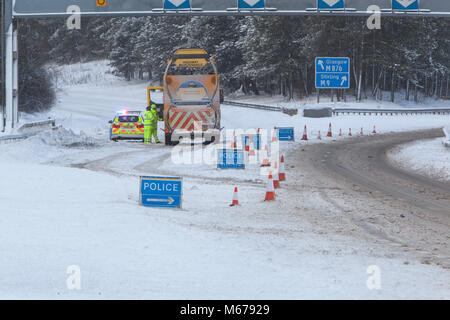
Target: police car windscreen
128	119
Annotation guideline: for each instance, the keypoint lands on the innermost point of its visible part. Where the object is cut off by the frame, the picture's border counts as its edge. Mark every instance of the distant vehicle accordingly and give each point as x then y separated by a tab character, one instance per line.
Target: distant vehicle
127	125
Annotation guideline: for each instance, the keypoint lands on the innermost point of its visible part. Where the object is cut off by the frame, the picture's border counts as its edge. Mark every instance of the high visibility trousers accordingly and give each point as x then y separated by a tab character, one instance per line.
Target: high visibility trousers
149	132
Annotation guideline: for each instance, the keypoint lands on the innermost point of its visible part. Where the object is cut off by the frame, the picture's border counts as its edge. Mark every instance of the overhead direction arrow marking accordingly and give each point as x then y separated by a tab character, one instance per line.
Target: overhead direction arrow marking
406	3
344	78
177	3
331	2
251	3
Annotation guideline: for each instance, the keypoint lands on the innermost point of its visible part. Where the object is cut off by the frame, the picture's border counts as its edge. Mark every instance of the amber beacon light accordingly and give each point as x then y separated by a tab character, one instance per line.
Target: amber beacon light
101	3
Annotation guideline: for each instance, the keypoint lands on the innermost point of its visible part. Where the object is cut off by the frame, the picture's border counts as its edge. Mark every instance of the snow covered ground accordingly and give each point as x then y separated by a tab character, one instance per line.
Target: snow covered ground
427	157
70	197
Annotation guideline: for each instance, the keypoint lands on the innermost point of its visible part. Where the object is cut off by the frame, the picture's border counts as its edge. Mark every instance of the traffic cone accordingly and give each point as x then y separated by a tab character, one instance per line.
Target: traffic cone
305	134
276	179
235	197
329	134
251	151
319	136
374	131
349	132
340	132
274	135
247	143
362	132
282	173
234	143
266	161
270	192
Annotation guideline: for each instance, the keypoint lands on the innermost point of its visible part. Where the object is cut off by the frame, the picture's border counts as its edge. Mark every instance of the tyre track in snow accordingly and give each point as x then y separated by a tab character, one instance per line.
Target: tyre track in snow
388	203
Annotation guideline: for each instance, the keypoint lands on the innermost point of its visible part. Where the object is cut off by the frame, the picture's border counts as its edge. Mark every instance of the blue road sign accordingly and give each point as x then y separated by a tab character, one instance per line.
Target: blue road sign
230	159
332	73
177	4
251	4
286	134
161	192
256	140
405	5
330	4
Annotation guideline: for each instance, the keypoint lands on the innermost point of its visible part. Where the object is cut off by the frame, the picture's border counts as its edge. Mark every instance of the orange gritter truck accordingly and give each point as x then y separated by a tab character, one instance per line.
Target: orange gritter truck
191	98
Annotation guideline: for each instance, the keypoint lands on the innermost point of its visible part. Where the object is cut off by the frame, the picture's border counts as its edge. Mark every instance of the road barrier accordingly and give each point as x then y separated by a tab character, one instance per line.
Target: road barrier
328	112
15	137
446	141
289	111
392	112
38	124
23	134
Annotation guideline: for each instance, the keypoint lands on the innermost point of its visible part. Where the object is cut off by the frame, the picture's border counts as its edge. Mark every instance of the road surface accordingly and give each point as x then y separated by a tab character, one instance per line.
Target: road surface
372	196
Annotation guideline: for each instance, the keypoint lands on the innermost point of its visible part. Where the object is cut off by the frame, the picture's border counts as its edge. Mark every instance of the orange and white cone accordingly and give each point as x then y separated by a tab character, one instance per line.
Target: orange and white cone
247	143
276	179
270	192
330	133
266	161
305	134
274	135
349	132
319	136
282	173
251	151
234	143
374	131
235	197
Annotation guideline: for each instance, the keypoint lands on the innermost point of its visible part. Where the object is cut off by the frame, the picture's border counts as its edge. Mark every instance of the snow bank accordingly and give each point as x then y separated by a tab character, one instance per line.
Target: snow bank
427	157
48	144
62	137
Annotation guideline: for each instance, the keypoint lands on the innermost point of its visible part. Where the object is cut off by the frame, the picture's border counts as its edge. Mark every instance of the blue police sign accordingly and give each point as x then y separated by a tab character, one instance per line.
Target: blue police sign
230	159
246	139
161	192
330	4
177	4
251	4
332	73
405	5
286	134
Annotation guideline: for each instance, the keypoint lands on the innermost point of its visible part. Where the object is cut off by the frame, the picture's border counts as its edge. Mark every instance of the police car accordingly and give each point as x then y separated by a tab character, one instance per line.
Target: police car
127	125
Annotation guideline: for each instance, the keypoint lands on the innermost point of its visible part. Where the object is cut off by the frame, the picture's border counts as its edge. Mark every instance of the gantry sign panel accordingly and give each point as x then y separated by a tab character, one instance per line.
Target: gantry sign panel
36	8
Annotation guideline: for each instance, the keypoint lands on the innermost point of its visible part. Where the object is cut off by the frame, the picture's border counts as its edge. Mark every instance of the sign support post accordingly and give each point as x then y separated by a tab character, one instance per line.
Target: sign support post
11	70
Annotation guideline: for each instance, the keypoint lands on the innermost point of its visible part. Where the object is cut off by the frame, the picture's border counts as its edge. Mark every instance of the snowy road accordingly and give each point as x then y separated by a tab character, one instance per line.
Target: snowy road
71	198
396	205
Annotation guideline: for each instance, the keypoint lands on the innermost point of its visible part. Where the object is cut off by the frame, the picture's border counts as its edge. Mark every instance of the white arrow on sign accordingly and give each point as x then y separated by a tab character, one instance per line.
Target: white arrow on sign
251	3
177	3
406	3
320	63
344	78
169	200
331	2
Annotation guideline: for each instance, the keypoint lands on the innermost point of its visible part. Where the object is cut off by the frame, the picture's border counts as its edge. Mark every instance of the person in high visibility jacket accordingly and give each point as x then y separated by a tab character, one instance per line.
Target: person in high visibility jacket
151	124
